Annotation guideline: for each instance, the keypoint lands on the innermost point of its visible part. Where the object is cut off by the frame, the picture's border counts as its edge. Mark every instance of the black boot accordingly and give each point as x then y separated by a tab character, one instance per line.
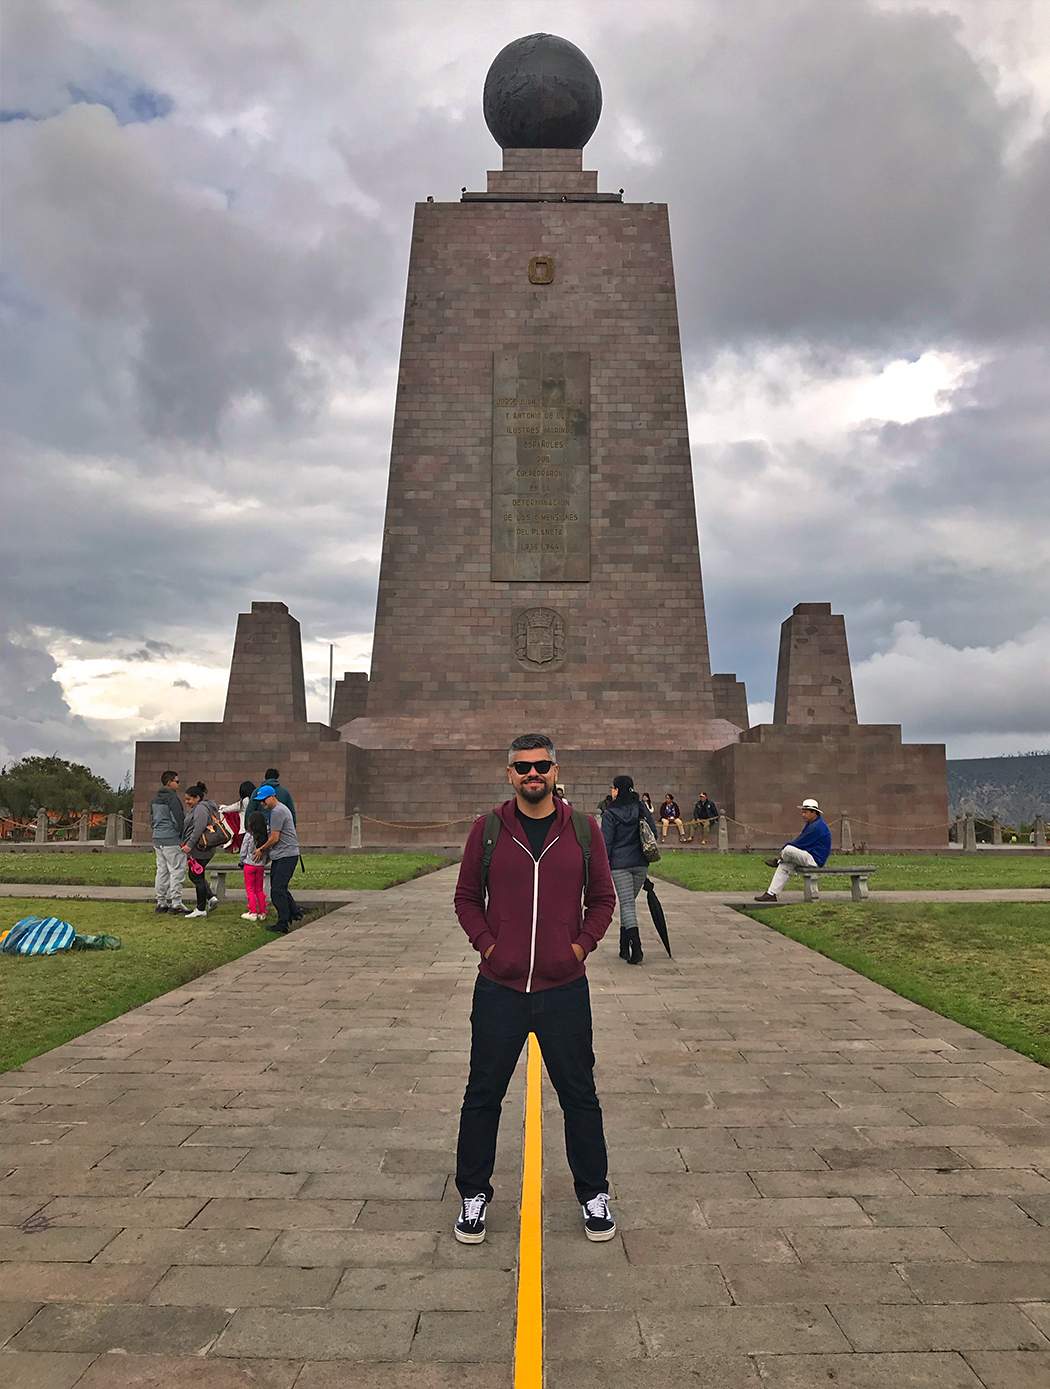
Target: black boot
634	941
625	944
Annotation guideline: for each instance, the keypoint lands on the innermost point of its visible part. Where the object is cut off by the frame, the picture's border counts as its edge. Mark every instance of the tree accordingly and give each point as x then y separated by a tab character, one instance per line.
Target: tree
124	796
53	784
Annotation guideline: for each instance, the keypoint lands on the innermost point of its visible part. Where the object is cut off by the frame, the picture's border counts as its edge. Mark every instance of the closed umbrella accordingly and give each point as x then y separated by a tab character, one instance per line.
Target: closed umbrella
656	911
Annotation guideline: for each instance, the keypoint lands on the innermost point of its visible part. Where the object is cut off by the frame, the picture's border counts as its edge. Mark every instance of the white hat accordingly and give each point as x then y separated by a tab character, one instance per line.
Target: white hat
810	804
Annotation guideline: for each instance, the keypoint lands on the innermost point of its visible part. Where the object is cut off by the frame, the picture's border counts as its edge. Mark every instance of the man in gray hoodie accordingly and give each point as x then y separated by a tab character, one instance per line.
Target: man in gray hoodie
167	818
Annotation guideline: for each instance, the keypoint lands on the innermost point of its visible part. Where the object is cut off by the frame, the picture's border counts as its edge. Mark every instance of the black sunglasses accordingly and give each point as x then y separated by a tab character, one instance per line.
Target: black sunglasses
543	767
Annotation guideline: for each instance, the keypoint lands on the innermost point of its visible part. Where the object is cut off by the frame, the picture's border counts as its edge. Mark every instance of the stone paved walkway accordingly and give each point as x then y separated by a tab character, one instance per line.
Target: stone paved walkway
246	1182
341	894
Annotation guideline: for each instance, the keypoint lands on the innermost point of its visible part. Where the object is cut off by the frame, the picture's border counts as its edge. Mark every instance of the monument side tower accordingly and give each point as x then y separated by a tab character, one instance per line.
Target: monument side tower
540	559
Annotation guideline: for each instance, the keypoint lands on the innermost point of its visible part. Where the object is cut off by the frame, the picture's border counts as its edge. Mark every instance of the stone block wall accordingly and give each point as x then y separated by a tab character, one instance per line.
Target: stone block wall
350	698
814	679
314	765
730	700
474	780
264	725
895	794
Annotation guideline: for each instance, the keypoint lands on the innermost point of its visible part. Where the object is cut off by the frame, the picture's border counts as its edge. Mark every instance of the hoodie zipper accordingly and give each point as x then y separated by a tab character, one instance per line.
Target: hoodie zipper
535	900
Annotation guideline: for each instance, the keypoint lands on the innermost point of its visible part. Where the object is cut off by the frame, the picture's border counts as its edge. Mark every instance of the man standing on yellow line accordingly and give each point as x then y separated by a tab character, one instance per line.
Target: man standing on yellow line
550	898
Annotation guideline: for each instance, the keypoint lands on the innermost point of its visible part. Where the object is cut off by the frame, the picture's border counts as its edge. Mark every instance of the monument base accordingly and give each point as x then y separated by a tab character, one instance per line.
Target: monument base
421	779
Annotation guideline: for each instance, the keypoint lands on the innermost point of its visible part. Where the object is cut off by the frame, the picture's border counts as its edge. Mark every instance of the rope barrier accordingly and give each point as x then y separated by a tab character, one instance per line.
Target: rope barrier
392	825
853	819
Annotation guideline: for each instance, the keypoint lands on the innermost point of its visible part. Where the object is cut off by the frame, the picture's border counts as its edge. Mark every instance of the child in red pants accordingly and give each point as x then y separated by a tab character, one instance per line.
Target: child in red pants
255	833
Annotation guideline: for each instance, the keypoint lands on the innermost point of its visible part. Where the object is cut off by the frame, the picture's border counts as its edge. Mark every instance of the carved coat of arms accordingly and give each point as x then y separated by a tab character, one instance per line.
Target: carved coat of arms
539	637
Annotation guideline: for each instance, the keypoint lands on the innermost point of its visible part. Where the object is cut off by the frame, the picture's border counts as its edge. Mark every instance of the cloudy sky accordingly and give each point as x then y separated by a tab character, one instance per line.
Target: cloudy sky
208	214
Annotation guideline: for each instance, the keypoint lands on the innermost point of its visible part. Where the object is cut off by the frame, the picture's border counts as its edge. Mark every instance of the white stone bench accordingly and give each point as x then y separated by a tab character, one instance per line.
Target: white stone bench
858	876
217	878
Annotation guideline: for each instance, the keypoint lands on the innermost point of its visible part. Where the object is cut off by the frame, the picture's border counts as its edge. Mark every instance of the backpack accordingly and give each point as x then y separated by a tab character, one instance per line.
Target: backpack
581	828
38	935
216	833
650	848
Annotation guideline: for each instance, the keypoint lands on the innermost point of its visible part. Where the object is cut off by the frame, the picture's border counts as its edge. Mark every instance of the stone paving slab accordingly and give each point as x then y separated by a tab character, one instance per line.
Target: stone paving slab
247	1182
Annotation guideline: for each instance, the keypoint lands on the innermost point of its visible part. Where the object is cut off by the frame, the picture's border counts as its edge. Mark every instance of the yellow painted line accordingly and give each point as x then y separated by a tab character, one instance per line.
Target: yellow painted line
528	1345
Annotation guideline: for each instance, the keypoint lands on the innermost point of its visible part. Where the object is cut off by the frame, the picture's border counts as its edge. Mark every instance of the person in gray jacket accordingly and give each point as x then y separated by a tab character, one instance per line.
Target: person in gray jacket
167	818
626	860
200	810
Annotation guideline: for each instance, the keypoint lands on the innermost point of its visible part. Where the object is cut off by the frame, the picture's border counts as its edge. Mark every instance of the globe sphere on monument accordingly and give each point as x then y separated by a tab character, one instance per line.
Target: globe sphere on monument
541	92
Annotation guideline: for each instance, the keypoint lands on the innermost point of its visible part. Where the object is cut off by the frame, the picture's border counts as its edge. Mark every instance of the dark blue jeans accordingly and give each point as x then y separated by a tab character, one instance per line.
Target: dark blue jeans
281	870
500	1022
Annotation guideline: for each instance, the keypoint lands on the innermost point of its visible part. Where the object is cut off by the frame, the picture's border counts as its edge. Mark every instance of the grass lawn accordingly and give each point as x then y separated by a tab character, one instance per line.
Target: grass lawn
138	870
903	872
47	999
986	965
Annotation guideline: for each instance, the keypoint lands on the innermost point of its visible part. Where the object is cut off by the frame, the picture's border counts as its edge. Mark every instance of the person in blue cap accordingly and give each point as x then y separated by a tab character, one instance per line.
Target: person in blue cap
283	849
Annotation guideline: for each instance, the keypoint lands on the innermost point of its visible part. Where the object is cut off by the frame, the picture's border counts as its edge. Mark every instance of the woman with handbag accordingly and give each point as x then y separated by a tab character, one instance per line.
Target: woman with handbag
201	839
622	832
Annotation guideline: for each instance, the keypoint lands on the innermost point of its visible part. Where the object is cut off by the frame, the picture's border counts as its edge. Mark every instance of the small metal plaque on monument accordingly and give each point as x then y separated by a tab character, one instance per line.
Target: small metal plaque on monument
541	467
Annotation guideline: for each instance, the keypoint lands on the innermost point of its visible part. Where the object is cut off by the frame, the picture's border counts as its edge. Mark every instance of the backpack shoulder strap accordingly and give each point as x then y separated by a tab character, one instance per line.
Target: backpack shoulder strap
581	824
488	844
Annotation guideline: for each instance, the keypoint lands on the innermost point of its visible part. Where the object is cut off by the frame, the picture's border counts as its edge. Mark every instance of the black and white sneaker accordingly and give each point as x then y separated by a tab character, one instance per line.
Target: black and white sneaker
470	1227
598	1223
162	910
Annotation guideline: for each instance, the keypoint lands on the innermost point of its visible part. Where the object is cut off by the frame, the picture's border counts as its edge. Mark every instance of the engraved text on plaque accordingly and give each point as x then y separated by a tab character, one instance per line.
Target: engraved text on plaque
541	467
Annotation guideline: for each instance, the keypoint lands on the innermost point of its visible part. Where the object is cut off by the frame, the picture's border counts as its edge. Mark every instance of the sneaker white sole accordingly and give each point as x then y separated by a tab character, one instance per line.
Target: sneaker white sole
599	1236
468	1239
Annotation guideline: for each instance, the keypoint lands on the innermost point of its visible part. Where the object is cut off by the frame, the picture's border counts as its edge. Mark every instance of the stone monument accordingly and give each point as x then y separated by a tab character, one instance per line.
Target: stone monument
540	567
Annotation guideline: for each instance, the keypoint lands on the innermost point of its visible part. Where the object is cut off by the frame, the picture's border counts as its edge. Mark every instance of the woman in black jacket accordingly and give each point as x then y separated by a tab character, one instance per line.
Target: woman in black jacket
626	860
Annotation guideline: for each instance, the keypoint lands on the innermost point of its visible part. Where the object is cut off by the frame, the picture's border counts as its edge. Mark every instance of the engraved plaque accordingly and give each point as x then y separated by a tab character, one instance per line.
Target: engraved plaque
539	638
541	467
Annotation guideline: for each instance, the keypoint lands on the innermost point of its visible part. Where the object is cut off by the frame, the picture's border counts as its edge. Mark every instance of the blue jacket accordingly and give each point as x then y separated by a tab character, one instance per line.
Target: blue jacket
816	840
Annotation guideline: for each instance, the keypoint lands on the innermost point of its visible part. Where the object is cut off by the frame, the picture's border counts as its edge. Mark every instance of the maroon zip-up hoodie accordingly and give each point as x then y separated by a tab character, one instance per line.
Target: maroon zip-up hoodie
536	909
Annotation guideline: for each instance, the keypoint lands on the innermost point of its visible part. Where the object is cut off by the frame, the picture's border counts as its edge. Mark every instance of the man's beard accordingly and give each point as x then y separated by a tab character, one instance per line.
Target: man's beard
535	794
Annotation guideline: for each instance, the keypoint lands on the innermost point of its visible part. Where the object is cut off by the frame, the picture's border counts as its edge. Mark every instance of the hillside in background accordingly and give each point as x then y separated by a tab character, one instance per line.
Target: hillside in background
1014	788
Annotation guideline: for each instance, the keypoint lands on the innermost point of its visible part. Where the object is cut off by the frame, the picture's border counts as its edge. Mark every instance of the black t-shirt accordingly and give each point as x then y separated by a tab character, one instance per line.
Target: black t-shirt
535	830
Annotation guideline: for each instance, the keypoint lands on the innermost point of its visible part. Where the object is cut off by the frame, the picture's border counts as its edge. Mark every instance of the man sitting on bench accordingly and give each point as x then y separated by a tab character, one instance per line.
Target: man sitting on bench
809	850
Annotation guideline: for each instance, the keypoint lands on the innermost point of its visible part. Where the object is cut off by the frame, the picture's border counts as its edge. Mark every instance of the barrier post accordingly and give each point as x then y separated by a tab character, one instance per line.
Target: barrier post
723	834
997	830
41	826
969	835
845	835
85	825
1039	832
111	831
355	830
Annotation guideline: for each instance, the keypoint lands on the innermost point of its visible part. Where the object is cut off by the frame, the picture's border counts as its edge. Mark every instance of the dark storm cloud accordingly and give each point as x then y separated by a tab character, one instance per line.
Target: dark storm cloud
148	651
140	555
840	172
212	311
